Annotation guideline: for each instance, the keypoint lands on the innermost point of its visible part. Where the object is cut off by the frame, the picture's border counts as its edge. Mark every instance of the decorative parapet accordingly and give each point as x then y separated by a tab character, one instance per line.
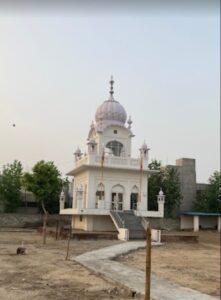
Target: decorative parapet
109	161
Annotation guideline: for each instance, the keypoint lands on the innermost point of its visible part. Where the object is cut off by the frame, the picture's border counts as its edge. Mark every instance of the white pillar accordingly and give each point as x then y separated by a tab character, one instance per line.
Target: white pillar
161	208
72	222
160	201
219	224
62	200
101	204
196	223
79	204
89	221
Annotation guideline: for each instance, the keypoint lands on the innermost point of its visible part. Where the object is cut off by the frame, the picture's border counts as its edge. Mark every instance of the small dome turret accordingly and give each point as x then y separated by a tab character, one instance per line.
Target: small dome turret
161	192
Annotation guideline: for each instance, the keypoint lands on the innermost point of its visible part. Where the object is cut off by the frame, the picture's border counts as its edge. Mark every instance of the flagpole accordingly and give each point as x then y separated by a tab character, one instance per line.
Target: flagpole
141	175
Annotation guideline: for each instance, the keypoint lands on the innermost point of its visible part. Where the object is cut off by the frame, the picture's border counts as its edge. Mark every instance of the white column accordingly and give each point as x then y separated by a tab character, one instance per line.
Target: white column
126	196
72	222
79	204
101	204
161	208
89	220
219	223
62	200
107	196
160	201
196	223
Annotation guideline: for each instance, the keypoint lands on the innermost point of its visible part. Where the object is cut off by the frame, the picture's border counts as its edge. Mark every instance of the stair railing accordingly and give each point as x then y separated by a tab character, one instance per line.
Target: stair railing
118	219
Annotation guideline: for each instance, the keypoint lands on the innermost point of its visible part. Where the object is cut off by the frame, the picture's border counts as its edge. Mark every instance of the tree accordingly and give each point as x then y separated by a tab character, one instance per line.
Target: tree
201	202
45	183
171	188
154	184
209	200
10	186
166	178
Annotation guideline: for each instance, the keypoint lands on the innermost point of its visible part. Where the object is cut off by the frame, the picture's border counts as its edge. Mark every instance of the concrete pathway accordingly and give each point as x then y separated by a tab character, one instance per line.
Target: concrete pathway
161	289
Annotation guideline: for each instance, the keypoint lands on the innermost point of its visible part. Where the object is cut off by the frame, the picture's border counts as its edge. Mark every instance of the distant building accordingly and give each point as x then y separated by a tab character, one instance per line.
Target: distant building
186	168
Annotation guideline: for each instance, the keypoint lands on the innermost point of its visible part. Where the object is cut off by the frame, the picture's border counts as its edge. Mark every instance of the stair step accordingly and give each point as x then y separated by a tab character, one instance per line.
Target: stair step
132	222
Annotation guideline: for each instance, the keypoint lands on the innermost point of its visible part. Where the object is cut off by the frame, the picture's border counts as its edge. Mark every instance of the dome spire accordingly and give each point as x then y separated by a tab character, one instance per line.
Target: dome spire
111	89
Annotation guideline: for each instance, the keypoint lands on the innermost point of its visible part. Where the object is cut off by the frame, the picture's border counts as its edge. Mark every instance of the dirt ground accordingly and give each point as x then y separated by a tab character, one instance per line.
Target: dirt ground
44	274
192	265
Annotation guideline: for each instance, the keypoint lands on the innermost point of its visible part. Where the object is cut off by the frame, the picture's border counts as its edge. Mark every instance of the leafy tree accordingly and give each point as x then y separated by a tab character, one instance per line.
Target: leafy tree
45	183
166	178
155	165
171	188
154	184
210	199
10	186
201	201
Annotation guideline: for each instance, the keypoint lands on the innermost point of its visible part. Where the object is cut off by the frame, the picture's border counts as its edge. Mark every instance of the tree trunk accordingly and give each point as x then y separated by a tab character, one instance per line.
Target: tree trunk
56	232
58	228
45	218
148	263
68	245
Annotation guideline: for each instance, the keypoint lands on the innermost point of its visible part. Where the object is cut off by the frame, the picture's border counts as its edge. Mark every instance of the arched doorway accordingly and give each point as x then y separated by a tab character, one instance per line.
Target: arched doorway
134	198
117	195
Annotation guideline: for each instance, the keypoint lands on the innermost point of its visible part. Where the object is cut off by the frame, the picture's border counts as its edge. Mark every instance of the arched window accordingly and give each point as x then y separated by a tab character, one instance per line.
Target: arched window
99	194
116	147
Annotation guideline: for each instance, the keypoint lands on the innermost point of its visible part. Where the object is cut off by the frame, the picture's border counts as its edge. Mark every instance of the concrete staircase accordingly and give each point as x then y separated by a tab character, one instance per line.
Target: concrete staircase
130	221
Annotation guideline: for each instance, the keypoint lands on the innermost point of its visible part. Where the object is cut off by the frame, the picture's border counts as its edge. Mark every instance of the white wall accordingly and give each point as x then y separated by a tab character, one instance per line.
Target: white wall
81	179
111	177
78	224
123	136
186	222
127	178
103	223
93	223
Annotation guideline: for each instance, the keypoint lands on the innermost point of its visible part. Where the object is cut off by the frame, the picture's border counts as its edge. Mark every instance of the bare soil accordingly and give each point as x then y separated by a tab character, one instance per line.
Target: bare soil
196	266
43	273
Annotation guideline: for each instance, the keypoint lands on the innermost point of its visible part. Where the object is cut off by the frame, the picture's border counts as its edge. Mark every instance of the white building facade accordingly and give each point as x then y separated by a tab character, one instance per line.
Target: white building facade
107	178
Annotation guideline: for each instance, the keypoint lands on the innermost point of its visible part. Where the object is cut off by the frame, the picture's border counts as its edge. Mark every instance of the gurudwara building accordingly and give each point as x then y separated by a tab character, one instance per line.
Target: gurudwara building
110	190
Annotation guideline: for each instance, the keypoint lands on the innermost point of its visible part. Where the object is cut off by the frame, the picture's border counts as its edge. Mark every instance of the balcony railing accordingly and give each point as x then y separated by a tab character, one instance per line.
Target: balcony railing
109	161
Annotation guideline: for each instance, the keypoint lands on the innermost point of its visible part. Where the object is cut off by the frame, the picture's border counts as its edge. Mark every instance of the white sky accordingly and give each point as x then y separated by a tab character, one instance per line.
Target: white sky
55	68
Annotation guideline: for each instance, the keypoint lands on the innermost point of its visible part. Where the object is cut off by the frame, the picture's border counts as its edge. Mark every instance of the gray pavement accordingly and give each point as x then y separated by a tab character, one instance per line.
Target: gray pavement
100	261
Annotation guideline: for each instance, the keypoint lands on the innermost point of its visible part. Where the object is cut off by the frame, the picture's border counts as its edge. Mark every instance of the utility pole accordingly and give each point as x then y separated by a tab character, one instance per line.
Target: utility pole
148	263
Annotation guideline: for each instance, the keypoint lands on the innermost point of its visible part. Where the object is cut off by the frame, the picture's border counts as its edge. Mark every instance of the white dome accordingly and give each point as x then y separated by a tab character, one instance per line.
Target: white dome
111	112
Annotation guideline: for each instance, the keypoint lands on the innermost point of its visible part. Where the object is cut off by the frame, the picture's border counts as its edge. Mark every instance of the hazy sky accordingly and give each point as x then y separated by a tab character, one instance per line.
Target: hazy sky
55	69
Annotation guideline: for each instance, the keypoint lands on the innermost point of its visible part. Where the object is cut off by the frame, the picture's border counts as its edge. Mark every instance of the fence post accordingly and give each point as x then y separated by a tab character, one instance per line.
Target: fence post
148	263
68	245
